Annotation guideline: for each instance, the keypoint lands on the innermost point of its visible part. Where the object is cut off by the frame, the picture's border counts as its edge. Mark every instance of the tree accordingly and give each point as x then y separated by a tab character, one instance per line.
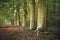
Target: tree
41	14
24	24
18	13
32	13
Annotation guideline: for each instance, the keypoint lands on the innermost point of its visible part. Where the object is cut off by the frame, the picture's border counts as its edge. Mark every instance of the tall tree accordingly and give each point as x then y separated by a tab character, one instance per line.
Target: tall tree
41	14
32	13
24	24
18	13
16	9
14	13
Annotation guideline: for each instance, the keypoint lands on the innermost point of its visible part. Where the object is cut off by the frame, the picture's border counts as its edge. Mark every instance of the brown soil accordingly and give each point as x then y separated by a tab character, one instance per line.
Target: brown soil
10	32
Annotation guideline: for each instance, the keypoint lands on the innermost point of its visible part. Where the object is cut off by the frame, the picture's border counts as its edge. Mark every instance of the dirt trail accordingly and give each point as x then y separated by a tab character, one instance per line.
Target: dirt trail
20	33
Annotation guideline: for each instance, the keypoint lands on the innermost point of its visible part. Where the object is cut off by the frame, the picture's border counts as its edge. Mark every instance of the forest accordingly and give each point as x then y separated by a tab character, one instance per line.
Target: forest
29	19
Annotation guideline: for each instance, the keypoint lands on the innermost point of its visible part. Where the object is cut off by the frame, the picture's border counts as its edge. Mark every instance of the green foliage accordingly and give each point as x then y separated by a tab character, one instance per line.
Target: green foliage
7	9
53	12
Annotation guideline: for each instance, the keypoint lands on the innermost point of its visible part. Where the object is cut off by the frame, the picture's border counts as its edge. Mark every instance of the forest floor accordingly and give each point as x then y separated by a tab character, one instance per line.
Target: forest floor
15	34
19	34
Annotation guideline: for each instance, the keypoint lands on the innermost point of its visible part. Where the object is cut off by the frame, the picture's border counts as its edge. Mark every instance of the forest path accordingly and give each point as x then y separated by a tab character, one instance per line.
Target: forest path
24	34
19	35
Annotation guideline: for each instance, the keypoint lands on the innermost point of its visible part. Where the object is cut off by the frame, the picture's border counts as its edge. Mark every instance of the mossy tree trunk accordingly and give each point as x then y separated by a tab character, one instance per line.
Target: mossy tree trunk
24	23
41	19
18	14
32	14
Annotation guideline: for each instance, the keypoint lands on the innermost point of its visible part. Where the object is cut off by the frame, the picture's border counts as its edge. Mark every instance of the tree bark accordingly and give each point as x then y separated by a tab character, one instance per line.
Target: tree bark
18	14
41	14
32	13
24	24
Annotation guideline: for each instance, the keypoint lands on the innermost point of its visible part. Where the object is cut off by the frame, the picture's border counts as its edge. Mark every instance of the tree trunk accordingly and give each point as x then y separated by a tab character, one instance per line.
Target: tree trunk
15	17
14	21
32	13
41	14
24	24
18	14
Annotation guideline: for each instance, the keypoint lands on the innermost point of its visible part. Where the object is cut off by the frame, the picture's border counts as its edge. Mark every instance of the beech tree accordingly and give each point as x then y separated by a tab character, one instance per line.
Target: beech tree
24	23
41	19
32	13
